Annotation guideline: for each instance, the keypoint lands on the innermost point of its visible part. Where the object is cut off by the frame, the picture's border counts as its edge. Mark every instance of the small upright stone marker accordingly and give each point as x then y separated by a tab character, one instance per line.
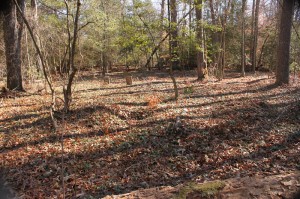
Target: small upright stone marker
129	80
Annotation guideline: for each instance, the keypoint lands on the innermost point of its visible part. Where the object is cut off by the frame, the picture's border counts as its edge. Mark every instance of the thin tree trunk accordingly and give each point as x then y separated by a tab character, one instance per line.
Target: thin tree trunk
35	24
215	35
283	53
223	51
73	69
156	48
104	57
244	3
29	65
162	14
174	34
160	50
152	39
255	35
104	63
201	65
252	31
172	15
44	67
262	51
190	36
223	41
13	28
278	11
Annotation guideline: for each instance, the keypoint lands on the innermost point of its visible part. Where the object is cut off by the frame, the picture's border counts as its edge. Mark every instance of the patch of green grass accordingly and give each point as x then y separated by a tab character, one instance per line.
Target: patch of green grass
204	190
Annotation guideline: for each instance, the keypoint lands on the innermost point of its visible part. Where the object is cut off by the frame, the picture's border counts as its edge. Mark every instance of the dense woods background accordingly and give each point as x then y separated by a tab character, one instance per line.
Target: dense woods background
115	35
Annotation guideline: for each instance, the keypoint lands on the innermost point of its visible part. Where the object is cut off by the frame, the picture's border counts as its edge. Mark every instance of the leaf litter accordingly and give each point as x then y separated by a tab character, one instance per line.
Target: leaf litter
121	138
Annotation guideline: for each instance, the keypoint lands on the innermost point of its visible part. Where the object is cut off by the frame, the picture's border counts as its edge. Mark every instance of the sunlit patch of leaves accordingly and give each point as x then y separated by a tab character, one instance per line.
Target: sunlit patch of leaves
125	140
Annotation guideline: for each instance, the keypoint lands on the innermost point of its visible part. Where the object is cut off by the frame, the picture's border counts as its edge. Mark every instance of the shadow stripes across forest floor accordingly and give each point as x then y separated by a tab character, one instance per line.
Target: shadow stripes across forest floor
116	143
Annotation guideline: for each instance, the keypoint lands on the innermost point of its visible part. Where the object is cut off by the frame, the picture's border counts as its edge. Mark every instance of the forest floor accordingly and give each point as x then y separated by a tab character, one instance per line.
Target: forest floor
118	138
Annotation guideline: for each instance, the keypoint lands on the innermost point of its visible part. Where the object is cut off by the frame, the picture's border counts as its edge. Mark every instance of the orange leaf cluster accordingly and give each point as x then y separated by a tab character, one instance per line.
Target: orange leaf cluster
153	101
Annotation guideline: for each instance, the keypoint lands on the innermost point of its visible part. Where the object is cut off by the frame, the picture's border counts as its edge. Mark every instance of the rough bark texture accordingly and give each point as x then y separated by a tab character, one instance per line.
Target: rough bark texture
283	51
200	53
12	27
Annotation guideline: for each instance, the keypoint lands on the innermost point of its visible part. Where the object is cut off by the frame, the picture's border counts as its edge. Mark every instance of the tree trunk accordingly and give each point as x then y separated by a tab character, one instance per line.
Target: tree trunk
244	3
190	36
259	63
35	25
222	59
104	63
72	51
172	16
13	28
162	14
173	34
252	29
201	65
283	51
104	53
215	35
255	35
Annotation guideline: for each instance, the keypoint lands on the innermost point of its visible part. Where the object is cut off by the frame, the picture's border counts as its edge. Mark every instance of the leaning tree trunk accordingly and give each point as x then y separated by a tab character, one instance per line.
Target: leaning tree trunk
12	27
283	50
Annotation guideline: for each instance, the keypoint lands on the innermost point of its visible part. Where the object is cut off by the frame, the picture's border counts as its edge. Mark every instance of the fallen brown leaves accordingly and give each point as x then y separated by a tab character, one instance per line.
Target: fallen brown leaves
120	138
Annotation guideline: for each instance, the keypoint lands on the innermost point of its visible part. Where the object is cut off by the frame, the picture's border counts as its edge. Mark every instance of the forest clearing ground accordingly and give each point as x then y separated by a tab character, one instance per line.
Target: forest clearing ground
120	138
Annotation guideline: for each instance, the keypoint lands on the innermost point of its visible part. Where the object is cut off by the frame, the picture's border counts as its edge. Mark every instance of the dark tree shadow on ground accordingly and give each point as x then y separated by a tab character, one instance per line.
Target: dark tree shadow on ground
157	152
156	157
